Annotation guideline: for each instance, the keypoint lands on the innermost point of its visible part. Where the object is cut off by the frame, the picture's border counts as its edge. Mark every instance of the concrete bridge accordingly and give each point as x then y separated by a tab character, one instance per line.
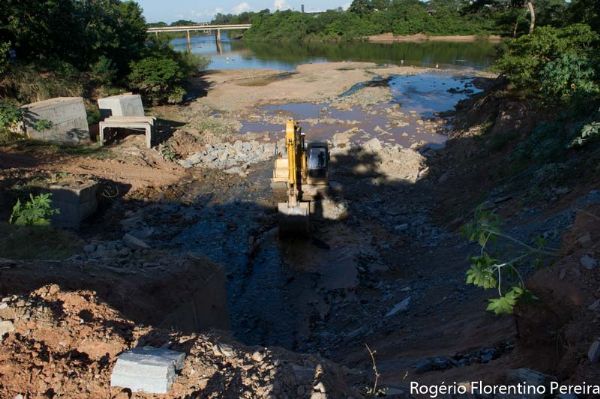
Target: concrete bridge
207	28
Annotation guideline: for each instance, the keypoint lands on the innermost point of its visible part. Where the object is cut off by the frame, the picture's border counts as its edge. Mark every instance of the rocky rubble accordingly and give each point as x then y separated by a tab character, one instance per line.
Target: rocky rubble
230	157
66	344
381	161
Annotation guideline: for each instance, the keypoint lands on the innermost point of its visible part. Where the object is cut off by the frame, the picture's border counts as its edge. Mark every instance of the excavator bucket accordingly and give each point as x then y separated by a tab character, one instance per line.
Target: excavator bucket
293	220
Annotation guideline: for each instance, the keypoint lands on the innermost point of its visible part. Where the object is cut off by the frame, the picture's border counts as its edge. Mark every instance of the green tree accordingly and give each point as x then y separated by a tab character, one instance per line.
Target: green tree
541	62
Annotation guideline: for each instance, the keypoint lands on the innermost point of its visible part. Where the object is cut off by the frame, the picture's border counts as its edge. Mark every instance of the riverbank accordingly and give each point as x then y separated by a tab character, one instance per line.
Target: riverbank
234	90
421	37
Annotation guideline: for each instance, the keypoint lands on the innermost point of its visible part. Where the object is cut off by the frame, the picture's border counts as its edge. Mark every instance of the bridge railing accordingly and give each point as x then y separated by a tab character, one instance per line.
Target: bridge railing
185	28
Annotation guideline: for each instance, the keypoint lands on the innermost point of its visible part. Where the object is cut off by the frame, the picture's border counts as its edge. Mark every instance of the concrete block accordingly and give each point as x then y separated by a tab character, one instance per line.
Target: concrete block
68	118
121	105
147	369
76	201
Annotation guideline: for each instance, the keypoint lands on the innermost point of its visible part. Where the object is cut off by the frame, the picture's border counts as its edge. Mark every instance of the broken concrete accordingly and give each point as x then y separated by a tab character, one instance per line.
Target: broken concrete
121	105
147	369
66	117
6	327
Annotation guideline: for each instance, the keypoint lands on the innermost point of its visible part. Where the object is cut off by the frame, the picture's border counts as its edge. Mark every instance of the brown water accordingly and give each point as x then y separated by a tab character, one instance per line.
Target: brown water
409	116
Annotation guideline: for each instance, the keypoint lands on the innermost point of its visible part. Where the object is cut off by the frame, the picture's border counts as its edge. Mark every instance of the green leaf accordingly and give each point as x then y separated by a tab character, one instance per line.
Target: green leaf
481	273
36	212
505	304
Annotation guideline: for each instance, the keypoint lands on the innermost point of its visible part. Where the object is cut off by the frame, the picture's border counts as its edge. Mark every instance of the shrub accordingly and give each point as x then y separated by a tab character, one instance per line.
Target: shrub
4	62
589	132
10	115
552	61
156	77
567	76
104	71
160	75
36	212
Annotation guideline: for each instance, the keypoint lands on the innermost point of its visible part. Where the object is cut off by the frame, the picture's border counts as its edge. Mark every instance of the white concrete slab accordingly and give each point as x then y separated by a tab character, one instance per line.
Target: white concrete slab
147	369
121	105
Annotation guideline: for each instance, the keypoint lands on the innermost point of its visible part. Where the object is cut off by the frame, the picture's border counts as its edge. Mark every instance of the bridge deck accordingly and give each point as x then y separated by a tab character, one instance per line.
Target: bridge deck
186	28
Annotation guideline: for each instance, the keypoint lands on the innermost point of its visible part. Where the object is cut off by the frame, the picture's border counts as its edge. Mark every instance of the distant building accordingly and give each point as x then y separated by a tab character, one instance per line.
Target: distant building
302	7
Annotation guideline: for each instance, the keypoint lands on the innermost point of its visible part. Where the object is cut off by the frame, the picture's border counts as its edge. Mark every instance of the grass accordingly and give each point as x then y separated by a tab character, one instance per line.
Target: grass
216	126
34	242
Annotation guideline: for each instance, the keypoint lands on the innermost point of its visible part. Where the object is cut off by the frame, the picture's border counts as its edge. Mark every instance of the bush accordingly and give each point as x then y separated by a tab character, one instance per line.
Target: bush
568	76
160	75
4	62
10	115
36	212
104	71
156	77
588	133
556	62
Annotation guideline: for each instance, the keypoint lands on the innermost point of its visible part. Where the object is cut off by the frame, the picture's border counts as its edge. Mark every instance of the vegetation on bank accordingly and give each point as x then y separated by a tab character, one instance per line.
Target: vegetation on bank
406	17
556	72
85	49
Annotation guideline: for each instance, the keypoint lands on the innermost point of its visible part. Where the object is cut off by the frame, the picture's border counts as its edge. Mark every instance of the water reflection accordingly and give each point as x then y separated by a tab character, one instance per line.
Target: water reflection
236	54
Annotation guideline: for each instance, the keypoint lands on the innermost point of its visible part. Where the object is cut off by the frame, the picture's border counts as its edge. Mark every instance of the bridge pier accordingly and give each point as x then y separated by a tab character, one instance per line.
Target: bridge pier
218	35
189	41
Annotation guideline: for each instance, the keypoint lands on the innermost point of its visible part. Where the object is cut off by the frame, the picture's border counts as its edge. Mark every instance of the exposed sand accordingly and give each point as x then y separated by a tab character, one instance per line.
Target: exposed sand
421	37
233	90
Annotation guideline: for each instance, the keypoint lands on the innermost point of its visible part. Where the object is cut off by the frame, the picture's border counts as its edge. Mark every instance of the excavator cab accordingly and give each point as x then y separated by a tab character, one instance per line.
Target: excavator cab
299	176
318	160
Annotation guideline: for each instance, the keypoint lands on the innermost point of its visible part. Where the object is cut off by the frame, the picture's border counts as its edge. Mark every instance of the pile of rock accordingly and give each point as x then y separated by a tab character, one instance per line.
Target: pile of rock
230	156
379	160
72	343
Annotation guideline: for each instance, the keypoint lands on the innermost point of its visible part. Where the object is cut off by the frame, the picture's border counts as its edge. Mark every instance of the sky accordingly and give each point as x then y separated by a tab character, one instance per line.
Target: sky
204	10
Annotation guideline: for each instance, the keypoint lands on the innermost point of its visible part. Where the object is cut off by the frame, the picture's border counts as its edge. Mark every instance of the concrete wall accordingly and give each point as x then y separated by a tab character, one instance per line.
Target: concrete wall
68	118
121	105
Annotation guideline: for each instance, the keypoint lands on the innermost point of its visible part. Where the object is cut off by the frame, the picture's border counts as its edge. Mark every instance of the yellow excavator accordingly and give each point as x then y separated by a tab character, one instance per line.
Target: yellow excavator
300	179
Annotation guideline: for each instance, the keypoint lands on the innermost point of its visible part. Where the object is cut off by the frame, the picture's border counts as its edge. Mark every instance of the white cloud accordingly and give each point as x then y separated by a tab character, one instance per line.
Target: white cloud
204	15
240	8
281	5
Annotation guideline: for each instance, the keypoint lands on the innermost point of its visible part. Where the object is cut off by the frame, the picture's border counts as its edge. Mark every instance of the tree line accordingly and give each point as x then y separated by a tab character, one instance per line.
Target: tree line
406	17
84	45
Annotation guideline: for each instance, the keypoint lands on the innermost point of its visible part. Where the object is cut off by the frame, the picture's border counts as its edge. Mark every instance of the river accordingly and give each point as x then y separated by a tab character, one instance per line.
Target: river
237	54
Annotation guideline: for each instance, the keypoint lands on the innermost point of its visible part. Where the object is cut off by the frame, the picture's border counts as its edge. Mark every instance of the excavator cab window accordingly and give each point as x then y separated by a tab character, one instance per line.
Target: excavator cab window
318	157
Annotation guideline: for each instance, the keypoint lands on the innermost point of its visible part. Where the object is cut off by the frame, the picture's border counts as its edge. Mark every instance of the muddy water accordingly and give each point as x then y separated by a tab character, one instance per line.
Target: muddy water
408	117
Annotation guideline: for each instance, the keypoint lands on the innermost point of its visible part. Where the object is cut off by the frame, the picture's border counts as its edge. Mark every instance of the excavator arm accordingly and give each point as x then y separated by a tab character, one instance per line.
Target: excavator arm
299	176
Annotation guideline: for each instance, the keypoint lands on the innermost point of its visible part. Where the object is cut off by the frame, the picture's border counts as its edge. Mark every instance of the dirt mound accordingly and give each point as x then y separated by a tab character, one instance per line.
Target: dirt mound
65	344
557	331
380	161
